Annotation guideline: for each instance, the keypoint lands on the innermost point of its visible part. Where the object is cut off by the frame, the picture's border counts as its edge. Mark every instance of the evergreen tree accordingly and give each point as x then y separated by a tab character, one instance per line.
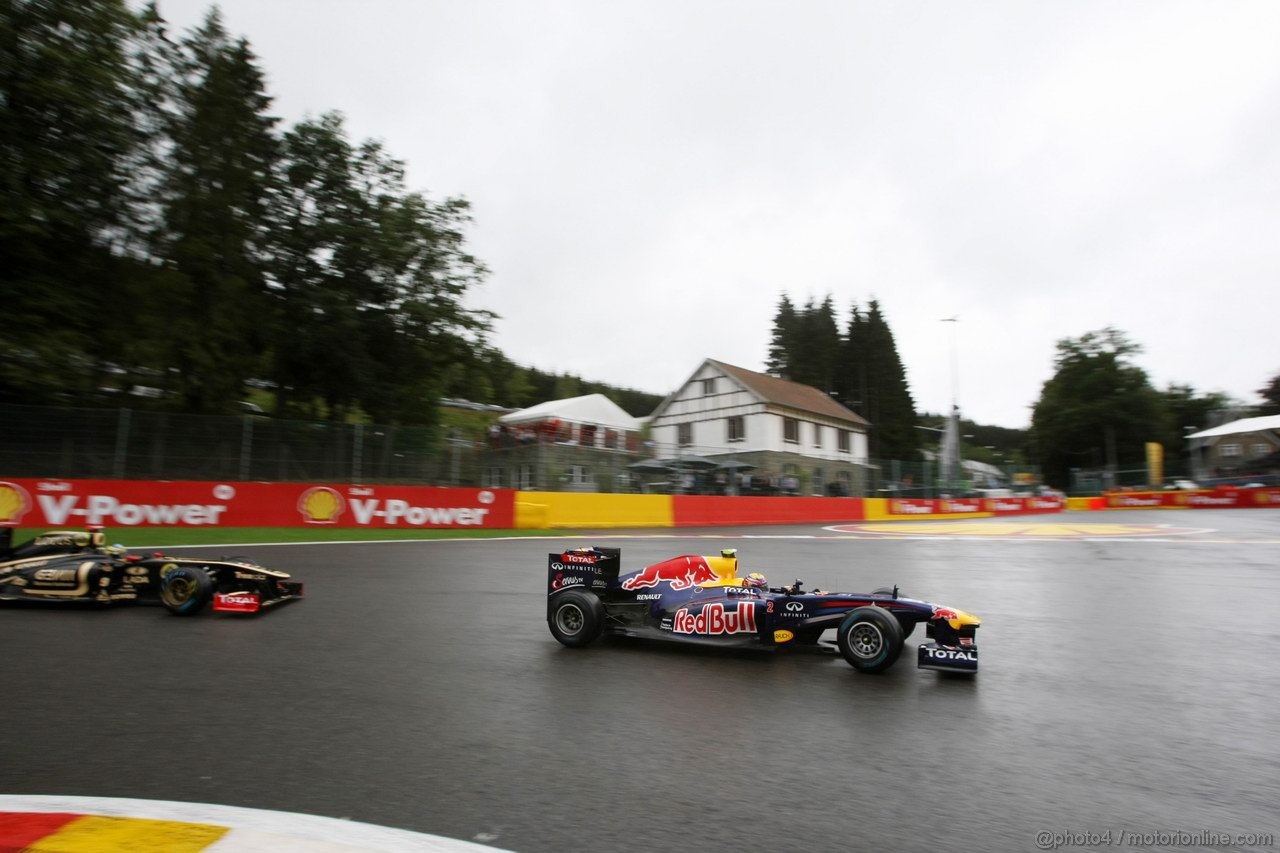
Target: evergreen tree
419	325
816	346
1270	394
893	430
325	229
66	135
782	343
851	373
216	192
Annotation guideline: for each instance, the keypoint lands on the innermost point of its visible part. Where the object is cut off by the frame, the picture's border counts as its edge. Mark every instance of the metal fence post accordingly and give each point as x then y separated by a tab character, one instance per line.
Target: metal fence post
246	447
122	444
357	452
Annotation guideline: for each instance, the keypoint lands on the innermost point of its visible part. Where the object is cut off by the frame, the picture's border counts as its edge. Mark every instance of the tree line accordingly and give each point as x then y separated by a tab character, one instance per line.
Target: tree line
163	235
1098	409
858	366
165	241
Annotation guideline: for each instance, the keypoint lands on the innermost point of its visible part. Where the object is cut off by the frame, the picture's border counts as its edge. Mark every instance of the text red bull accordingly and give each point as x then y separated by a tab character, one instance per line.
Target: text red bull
680	572
714	619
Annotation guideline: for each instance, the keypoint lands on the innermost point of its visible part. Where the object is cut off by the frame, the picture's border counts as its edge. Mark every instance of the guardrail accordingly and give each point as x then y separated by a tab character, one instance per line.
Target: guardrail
53	503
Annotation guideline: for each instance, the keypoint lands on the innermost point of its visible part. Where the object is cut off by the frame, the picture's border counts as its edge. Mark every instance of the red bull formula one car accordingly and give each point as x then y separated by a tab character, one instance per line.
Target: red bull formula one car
78	565
698	599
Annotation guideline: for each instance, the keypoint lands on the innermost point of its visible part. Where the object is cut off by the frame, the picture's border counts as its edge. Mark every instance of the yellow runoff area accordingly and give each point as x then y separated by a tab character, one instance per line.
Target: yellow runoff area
97	834
1015	529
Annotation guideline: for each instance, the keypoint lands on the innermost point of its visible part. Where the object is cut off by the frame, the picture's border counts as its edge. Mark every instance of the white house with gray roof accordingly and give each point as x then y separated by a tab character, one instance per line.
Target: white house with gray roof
780	427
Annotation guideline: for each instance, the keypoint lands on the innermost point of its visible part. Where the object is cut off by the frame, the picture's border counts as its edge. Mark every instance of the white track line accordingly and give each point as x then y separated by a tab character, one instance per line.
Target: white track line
254	830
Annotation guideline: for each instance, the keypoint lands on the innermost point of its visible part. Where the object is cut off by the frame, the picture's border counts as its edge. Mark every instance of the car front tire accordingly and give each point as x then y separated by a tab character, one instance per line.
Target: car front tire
185	590
870	638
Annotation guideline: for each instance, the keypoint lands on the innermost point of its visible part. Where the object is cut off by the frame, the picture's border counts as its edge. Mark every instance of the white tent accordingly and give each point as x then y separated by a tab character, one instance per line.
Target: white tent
590	409
1246	425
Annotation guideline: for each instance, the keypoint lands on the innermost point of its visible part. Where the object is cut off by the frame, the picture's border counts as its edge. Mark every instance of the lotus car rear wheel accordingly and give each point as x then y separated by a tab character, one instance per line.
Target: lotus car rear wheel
185	590
576	618
870	638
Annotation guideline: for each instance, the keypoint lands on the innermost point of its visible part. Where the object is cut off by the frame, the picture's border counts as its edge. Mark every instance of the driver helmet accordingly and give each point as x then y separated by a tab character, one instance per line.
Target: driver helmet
755	579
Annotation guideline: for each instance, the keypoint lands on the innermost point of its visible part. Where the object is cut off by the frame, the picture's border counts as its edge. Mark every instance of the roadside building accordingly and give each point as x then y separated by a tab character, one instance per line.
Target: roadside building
579	444
1231	449
761	432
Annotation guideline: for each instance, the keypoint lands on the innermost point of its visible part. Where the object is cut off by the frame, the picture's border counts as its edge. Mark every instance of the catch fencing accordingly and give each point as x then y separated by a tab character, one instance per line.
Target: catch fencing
130	444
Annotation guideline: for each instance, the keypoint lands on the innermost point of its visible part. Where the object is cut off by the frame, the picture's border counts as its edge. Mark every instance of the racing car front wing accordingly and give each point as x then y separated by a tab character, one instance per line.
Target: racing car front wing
962	659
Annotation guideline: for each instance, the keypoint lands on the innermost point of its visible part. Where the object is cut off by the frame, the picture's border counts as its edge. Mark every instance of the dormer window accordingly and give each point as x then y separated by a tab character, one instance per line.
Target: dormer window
708	386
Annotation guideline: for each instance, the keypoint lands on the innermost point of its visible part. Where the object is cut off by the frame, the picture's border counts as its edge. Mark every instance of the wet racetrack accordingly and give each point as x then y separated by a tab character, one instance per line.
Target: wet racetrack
1127	685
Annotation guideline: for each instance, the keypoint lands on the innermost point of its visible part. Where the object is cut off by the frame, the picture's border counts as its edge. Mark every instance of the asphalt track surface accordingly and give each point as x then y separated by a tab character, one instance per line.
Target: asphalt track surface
1128	684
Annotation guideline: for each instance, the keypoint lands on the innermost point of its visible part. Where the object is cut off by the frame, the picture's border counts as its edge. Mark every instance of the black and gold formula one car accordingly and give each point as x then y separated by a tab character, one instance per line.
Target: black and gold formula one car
78	565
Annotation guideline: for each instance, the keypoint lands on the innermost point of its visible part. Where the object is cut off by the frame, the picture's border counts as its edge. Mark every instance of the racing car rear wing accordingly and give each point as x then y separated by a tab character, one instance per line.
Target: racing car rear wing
593	569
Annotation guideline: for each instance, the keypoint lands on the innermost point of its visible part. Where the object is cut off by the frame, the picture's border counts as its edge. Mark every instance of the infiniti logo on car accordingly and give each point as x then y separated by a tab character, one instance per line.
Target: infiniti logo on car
794	606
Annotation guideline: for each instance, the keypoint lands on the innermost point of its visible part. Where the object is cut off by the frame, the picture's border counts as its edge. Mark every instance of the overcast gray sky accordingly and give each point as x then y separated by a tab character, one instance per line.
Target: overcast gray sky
649	177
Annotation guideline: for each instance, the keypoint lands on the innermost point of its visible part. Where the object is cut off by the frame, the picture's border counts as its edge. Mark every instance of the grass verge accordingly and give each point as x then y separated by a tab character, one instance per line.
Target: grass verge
133	537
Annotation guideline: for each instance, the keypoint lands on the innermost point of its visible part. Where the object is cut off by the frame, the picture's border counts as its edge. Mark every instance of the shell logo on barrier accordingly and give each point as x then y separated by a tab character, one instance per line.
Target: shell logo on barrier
14	504
321	505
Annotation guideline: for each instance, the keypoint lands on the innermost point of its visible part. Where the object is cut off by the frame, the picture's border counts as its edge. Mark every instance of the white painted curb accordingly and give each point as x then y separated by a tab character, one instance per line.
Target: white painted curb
254	830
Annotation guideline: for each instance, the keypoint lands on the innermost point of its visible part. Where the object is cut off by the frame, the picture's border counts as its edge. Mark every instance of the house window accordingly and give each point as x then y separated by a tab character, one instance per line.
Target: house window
611	438
819	482
1260	450
817	435
709	386
842	440
791	430
1225	450
580	475
737	428
684	434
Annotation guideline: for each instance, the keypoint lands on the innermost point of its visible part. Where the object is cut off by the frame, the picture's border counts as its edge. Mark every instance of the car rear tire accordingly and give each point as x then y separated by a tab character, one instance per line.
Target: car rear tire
185	590
870	638
576	618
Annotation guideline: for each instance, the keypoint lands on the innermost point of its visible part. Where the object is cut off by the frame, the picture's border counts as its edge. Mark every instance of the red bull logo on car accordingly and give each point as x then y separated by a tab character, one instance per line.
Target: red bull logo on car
715	619
680	573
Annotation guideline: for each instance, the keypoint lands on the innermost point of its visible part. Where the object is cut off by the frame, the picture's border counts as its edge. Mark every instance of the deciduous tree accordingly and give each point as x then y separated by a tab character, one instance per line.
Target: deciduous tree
1098	409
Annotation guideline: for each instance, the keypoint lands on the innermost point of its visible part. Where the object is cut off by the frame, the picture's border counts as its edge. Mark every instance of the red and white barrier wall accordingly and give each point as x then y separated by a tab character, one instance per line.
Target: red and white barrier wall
51	503
138	503
1224	498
